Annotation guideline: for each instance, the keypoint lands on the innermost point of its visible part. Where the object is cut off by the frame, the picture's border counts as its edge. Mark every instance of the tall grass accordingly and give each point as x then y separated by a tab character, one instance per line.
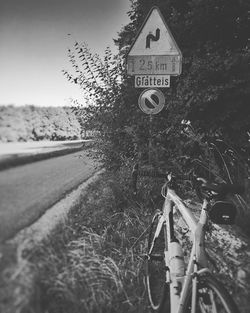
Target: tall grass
84	280
94	263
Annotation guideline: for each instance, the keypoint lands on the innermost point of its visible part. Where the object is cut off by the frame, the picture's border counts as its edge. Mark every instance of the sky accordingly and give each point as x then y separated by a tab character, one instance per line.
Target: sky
35	36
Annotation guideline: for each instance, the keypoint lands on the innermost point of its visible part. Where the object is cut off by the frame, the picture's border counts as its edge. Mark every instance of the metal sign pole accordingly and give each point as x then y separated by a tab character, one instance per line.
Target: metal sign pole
150	141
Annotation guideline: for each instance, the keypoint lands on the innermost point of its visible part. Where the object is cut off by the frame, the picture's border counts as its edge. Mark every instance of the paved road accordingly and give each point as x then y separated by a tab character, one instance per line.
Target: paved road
27	191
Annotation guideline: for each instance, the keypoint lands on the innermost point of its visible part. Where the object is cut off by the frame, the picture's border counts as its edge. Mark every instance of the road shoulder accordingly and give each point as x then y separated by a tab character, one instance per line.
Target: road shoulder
16	159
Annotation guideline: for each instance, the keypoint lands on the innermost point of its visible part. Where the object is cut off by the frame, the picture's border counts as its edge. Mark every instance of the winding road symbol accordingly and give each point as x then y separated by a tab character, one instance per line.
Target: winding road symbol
151	101
150	37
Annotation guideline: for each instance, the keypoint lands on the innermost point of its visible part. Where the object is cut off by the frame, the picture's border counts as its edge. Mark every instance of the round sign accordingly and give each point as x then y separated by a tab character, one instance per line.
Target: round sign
151	101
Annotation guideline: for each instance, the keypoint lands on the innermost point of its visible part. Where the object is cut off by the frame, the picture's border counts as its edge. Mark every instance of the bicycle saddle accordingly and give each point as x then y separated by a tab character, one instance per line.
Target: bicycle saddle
219	190
221	210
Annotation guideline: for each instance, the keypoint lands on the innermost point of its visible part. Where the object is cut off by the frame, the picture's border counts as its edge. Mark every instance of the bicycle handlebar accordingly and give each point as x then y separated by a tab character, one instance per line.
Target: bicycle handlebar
146	173
217	190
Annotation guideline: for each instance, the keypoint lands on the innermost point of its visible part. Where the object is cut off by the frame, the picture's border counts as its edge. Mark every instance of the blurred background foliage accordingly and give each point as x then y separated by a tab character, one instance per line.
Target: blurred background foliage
32	123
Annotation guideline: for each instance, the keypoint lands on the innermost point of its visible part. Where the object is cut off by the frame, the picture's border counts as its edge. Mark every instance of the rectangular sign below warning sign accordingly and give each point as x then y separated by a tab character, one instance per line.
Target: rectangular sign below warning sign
146	81
154	65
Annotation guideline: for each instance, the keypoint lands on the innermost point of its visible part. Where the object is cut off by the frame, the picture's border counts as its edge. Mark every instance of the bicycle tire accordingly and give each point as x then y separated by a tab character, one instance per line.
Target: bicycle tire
211	297
157	289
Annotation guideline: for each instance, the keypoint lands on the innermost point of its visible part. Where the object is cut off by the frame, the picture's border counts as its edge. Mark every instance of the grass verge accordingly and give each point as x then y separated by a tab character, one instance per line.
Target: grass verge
94	261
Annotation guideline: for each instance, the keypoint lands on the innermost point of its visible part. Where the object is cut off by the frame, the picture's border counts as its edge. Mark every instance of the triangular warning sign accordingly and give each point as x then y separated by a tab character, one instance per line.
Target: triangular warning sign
154	37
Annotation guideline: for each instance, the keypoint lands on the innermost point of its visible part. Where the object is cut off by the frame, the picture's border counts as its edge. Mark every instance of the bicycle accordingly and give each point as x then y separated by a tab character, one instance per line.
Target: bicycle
171	286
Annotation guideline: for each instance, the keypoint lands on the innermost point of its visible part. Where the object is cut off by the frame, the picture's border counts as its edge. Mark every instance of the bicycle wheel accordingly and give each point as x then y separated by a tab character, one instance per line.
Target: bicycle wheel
157	288
212	297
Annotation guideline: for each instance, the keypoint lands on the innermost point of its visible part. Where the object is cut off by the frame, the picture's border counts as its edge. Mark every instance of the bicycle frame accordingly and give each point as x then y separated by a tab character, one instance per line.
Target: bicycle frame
197	262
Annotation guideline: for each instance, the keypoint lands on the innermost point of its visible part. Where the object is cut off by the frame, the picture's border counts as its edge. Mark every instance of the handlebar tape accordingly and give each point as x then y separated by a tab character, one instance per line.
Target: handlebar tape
146	173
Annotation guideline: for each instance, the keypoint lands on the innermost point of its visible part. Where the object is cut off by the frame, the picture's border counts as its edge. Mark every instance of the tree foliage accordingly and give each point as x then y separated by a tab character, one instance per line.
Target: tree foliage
214	87
212	92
